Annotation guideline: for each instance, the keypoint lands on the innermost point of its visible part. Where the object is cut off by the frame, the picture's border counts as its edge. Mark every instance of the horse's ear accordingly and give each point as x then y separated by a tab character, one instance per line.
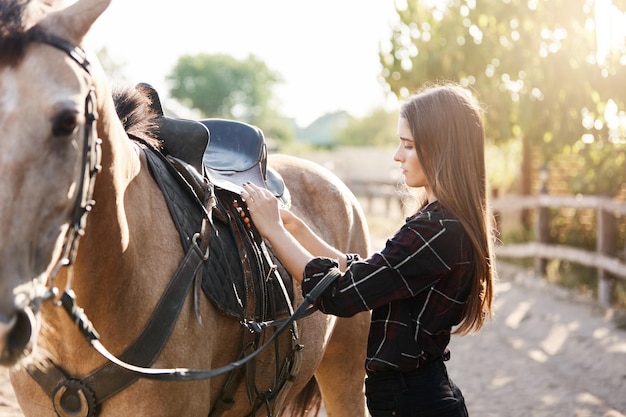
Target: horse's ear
36	11
76	19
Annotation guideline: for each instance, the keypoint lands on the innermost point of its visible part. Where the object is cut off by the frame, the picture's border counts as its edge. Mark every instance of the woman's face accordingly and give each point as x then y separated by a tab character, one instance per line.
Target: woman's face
407	156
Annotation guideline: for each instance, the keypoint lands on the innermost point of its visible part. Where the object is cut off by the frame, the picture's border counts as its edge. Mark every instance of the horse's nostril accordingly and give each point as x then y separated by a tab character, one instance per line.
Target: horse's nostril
5	330
15	337
20	336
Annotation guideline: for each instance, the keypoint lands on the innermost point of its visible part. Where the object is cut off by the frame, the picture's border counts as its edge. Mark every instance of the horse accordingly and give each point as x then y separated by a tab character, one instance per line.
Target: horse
89	246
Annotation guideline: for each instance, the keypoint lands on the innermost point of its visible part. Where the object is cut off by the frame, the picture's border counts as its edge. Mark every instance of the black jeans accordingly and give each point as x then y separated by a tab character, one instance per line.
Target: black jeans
425	392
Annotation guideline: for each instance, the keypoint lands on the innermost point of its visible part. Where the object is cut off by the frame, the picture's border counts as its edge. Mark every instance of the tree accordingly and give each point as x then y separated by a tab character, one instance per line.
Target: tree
222	86
376	129
534	63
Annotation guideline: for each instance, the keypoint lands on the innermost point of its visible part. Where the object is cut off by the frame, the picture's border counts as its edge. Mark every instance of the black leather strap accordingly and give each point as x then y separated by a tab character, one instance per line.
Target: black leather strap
110	379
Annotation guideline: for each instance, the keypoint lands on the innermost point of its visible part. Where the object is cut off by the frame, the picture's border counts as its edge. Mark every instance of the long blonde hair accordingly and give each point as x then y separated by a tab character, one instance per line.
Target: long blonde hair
447	128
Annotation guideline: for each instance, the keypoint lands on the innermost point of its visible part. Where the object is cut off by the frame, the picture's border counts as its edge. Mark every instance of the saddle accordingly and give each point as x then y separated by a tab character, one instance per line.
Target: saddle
202	168
226	153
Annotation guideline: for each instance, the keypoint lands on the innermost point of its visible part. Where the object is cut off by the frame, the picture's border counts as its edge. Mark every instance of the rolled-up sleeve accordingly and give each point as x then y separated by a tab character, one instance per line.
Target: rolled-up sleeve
314	272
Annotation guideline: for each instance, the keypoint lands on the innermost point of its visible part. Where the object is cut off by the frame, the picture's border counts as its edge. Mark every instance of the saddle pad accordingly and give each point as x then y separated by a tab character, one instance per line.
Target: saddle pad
223	276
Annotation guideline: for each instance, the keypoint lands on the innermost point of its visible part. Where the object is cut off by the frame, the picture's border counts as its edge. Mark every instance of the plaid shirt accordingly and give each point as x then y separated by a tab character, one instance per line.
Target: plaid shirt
416	287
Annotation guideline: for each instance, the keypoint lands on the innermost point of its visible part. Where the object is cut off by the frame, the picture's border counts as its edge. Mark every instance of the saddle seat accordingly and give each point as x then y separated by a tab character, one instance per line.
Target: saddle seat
228	152
236	154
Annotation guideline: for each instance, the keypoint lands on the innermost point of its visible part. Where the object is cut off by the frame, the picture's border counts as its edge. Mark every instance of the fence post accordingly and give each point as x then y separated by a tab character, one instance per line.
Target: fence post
542	224
606	244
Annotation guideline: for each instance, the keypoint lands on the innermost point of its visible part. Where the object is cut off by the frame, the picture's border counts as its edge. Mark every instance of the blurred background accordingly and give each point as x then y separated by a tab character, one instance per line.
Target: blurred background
324	79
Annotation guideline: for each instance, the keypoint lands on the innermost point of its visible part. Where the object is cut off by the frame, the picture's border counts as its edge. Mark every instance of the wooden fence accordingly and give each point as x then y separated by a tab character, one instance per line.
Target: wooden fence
604	258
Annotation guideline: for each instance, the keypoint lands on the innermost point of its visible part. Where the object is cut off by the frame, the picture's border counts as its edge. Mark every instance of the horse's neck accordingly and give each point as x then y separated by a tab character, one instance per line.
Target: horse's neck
120	159
130	247
130	224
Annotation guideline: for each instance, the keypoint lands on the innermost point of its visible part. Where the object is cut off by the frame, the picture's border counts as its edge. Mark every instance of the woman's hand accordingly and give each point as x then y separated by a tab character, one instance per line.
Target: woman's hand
263	208
294	242
264	211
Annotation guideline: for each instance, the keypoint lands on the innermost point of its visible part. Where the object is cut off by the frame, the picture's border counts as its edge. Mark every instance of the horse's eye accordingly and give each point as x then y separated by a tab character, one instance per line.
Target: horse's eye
65	123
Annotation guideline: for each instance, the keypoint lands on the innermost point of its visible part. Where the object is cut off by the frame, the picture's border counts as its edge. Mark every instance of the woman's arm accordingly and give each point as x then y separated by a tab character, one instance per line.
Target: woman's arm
310	240
294	250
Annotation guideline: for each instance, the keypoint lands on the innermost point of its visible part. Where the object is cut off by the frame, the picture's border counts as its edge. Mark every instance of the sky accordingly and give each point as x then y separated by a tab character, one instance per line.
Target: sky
325	50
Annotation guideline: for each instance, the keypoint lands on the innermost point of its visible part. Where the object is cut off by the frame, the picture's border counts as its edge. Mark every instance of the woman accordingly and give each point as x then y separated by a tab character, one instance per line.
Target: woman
434	275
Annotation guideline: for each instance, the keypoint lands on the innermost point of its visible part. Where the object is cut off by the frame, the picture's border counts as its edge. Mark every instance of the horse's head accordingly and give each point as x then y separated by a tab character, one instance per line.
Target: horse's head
46	125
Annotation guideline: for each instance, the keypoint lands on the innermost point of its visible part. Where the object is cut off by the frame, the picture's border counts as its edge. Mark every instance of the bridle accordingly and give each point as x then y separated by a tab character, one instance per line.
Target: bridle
90	164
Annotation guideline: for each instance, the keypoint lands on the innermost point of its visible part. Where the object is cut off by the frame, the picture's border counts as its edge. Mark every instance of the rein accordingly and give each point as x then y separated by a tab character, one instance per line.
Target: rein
185	374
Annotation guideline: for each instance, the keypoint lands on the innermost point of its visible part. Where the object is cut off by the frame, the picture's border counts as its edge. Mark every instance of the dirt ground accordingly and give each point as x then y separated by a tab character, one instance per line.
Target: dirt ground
548	353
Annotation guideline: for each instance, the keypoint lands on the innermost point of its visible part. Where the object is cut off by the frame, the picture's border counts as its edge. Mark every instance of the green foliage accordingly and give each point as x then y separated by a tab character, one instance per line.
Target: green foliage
581	278
515	233
603	172
576	228
533	63
222	86
376	129
275	126
620	297
502	162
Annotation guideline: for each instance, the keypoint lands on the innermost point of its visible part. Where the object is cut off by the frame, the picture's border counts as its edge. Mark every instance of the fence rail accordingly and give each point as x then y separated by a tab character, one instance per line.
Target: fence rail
609	266
604	258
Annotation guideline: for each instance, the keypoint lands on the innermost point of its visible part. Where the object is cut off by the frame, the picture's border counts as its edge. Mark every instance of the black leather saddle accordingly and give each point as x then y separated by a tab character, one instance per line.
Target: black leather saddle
228	152
240	273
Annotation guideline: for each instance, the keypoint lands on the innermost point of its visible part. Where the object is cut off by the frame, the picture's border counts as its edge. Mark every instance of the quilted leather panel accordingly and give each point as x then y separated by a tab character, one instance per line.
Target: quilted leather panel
223	278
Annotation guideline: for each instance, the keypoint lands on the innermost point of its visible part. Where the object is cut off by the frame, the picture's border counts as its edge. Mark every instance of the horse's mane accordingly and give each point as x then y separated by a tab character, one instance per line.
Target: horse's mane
138	117
14	36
